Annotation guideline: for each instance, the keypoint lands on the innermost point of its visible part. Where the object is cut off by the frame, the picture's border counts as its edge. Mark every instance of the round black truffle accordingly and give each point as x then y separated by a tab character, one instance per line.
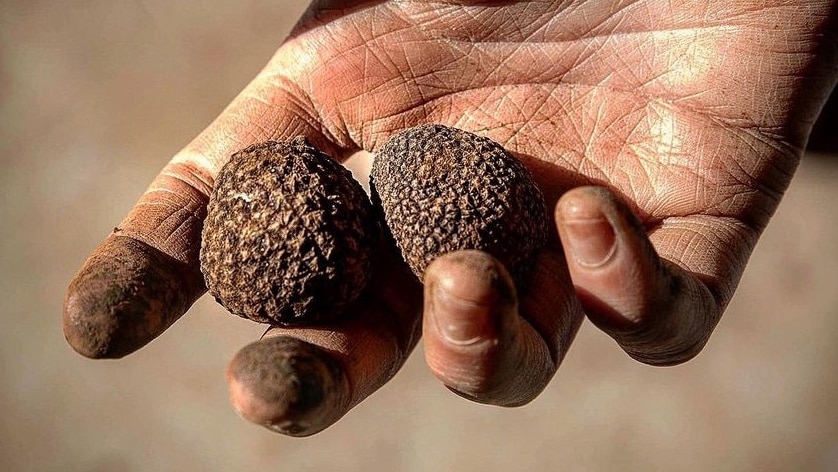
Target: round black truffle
443	189
289	235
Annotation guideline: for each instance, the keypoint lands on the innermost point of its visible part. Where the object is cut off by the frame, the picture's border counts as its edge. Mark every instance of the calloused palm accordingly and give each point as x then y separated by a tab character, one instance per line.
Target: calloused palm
687	117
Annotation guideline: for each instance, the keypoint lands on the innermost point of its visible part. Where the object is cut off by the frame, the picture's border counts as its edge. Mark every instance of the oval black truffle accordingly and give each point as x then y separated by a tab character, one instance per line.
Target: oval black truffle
288	236
443	189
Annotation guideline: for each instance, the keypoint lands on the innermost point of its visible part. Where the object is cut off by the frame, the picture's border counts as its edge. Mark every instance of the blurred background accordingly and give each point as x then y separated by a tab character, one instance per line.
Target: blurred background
96	95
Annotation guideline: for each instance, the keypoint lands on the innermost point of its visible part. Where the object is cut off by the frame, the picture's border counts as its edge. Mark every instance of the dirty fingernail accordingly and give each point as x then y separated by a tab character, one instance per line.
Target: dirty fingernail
590	236
459	321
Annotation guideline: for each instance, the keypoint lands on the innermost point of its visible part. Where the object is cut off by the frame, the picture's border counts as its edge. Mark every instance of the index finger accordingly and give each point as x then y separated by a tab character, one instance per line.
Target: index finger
146	274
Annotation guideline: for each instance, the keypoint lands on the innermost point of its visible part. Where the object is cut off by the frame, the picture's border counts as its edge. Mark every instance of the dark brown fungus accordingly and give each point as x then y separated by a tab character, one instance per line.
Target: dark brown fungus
289	235
443	189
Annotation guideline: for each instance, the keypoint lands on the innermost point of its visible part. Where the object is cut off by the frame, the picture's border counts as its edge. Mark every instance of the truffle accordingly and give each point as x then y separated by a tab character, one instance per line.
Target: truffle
443	189
288	236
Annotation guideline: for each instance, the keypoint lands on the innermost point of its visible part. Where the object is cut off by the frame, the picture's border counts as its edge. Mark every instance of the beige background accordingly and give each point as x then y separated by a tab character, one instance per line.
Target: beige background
94	97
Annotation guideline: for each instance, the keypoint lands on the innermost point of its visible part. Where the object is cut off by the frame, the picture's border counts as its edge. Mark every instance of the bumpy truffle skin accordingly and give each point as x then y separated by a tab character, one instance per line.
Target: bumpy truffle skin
289	235
443	189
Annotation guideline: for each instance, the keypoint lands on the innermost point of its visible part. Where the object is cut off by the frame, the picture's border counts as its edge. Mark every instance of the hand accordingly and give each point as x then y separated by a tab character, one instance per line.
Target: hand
664	134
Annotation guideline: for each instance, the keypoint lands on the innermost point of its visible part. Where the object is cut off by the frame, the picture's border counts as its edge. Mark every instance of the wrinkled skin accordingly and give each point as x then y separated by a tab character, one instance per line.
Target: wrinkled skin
662	132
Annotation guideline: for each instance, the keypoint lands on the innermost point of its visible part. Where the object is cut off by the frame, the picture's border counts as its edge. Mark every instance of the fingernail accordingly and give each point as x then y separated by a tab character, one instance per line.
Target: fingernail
589	234
461	322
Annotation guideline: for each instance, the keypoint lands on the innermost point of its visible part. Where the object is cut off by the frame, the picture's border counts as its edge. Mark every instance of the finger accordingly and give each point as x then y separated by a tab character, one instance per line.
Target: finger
146	274
657	311
475	341
288	385
299	381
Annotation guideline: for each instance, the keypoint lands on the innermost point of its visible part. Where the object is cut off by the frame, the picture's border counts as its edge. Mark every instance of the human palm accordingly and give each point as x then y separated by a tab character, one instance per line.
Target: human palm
663	133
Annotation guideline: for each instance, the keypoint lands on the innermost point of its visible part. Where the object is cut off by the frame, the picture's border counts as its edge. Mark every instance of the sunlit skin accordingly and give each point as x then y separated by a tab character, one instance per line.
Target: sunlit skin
663	134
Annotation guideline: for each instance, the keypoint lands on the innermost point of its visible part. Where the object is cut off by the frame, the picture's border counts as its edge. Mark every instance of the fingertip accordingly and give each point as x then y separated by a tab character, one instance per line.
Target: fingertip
475	341
473	275
606	255
125	295
465	292
288	386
